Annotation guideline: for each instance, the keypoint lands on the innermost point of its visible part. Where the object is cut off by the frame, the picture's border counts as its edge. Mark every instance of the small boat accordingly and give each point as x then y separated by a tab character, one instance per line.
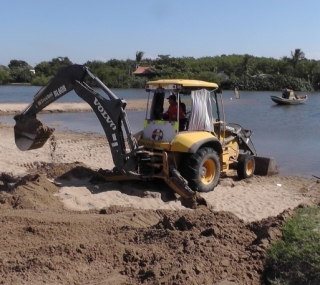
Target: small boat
292	101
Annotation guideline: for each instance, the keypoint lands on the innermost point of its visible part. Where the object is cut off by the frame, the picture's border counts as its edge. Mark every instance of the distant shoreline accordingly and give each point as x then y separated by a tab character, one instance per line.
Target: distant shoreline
16	108
22	84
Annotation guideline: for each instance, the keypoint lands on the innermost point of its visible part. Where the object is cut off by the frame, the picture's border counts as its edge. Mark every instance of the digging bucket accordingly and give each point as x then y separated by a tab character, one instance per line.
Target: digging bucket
30	132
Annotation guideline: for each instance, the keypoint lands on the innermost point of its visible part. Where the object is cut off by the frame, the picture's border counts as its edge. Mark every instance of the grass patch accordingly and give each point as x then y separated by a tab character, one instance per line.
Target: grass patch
295	259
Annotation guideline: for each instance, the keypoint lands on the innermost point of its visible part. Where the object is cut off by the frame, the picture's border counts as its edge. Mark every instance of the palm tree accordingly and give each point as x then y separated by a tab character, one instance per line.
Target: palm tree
296	57
245	67
246	64
312	68
280	66
139	56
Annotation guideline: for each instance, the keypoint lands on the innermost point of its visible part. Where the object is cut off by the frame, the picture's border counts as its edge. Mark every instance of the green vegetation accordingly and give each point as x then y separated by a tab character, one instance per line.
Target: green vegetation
295	259
4	76
245	71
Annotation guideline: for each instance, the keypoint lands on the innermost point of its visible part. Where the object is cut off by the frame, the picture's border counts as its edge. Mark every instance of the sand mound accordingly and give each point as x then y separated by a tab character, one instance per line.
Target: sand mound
76	170
30	192
122	245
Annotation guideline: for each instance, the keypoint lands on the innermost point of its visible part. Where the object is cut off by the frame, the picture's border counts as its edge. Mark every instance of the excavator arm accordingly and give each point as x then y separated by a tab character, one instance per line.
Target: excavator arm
32	133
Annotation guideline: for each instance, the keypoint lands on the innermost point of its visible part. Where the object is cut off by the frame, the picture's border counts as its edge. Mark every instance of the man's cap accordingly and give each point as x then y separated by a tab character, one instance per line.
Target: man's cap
172	97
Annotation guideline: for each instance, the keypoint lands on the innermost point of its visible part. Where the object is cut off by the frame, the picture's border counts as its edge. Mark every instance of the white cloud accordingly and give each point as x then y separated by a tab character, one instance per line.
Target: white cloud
149	56
313	55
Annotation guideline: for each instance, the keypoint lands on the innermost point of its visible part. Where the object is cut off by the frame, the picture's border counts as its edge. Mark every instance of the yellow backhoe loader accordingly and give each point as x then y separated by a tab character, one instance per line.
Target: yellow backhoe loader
189	152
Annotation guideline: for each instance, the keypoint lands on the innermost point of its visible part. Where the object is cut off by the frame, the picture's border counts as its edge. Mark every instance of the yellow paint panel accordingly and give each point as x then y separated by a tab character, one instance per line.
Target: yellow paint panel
185	140
151	144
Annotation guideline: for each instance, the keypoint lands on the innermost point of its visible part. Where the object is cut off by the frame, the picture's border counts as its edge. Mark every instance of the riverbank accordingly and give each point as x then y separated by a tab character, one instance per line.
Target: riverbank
19	84
56	107
250	200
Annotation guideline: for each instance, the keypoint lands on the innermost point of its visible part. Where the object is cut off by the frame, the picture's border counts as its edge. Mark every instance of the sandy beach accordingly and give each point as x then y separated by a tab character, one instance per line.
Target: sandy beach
15	108
56	191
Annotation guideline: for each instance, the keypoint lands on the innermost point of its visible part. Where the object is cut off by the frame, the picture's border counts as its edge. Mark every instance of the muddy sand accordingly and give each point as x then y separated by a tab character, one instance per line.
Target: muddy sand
58	228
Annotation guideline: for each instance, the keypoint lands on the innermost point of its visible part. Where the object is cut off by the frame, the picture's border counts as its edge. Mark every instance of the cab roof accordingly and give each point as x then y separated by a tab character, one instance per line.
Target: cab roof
184	84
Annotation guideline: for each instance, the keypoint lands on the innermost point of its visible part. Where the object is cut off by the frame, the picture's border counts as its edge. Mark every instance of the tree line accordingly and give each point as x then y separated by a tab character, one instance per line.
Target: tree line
246	72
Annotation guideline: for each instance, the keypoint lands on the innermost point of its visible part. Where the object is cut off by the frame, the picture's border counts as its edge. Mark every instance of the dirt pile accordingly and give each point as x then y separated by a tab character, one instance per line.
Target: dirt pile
31	192
41	242
76	170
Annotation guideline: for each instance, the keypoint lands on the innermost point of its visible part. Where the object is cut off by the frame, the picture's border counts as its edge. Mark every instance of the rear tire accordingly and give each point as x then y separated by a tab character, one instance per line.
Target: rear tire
246	166
202	170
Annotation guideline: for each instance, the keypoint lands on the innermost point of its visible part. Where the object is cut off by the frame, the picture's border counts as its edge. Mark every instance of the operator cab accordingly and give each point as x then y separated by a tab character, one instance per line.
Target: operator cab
196	99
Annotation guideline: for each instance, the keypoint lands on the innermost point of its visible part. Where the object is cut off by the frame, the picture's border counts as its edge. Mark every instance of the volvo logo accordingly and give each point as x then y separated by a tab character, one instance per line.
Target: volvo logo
104	114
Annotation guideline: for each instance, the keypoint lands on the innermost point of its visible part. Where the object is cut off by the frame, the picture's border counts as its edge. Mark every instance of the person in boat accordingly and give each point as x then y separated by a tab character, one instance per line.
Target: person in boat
289	94
286	93
171	114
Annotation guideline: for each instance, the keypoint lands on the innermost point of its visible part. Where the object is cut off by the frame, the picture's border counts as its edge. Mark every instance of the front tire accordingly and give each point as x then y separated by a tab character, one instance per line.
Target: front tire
246	166
202	170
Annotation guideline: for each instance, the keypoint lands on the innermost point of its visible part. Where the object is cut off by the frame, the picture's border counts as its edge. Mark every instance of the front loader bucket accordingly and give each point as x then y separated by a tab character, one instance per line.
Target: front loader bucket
30	132
265	166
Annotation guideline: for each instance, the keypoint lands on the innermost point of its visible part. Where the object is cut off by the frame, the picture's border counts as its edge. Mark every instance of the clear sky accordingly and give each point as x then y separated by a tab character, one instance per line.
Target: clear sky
82	30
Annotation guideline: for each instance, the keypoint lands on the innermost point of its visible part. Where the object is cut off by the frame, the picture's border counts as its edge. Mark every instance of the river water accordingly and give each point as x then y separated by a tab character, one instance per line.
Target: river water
290	134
